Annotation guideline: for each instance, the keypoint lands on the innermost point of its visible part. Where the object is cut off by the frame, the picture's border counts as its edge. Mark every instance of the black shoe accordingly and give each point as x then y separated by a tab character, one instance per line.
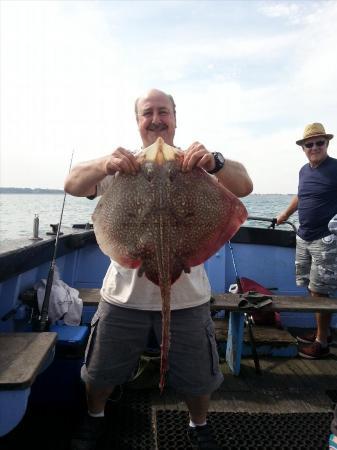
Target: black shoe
201	438
88	434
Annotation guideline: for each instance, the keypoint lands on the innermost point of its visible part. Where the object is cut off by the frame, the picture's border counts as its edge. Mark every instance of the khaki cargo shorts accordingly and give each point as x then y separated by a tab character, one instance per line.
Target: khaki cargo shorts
316	264
119	337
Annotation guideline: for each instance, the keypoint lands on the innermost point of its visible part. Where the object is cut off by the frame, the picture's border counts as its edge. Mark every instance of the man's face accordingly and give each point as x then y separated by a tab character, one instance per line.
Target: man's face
155	117
316	150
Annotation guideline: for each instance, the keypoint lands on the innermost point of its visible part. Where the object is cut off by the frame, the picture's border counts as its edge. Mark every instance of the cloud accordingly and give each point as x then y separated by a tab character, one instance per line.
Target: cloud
278	9
246	77
296	13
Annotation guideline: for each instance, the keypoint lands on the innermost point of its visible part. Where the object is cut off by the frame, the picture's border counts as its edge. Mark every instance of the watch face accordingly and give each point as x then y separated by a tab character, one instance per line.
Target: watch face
220	158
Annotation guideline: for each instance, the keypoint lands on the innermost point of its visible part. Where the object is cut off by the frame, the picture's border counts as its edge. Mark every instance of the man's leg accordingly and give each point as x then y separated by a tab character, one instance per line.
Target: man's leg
93	425
198	408
97	398
194	368
199	432
320	346
321	256
118	337
323	279
323	326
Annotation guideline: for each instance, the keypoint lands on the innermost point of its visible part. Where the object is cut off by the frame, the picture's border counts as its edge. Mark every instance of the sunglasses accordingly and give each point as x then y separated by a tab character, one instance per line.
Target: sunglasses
311	144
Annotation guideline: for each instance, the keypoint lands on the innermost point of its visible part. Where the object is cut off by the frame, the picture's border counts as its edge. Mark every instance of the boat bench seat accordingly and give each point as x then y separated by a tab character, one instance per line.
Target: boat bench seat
279	303
89	296
230	302
22	357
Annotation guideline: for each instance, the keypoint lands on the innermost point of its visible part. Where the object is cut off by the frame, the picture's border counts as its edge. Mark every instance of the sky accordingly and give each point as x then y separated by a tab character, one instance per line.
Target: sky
246	76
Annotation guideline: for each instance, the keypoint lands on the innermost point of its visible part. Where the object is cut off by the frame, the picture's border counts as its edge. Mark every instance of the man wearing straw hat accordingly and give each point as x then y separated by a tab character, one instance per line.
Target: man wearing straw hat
316	247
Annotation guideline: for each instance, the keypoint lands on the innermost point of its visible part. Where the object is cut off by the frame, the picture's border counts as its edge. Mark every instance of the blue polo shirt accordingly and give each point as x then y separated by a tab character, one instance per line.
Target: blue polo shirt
317	199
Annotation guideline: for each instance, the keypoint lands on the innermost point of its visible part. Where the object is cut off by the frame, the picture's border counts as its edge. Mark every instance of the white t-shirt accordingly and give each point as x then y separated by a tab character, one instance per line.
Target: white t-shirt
123	286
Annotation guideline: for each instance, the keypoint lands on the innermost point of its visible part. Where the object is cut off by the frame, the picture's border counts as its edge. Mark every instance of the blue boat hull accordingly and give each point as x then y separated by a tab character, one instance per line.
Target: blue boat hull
264	255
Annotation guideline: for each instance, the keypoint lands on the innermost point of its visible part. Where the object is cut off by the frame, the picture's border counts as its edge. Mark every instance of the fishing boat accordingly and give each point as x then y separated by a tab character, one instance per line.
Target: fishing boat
270	398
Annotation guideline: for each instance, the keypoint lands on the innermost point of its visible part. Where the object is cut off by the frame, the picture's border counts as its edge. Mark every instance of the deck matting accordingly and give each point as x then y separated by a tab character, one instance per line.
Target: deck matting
131	423
246	431
136	424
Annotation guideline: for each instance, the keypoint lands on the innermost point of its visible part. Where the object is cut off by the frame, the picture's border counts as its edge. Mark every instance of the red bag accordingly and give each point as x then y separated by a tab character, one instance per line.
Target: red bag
261	317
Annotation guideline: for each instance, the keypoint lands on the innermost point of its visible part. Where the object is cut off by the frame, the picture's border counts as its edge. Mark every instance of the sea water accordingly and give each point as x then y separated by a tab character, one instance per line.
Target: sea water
17	212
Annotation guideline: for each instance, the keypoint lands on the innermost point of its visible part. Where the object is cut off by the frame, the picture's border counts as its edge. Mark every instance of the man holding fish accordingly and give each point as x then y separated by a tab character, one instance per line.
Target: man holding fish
172	217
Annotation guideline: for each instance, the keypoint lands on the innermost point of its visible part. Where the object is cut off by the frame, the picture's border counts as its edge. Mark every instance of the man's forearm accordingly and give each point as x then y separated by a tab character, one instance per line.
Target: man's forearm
83	178
235	178
292	206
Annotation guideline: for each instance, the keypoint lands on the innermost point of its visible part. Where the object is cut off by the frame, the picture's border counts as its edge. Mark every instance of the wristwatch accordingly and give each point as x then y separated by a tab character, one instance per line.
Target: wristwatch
219	162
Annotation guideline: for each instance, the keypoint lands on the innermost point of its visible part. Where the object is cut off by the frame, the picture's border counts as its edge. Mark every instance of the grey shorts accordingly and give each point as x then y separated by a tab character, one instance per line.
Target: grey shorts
316	264
119	337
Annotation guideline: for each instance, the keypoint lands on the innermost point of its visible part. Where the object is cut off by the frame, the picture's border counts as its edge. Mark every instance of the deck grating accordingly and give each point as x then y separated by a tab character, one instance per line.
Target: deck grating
246	431
131	423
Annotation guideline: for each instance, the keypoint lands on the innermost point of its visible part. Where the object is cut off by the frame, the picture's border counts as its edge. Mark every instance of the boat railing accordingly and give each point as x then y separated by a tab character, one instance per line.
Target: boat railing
273	222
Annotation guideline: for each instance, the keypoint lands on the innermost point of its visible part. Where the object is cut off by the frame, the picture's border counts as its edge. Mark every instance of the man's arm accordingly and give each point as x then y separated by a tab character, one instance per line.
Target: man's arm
84	177
284	215
235	178
232	176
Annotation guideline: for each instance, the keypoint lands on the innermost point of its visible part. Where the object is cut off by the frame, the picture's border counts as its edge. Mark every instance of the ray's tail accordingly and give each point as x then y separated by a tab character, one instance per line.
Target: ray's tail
165	289
163	259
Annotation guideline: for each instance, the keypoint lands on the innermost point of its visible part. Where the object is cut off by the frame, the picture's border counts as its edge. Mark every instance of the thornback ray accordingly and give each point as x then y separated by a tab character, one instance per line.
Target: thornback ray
164	221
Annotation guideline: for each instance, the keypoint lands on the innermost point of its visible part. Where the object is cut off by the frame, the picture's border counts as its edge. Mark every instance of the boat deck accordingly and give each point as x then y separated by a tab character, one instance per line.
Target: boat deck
296	394
285	386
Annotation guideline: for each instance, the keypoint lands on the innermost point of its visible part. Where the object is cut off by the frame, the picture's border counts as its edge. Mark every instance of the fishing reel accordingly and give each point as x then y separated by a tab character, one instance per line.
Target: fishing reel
29	299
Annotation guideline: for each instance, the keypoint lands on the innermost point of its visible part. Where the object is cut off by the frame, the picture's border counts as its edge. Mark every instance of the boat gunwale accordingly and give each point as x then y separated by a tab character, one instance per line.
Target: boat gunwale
24	258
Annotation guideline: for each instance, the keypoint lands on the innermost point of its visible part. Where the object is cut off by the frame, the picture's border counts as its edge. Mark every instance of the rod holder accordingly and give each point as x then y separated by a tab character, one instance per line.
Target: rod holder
36	223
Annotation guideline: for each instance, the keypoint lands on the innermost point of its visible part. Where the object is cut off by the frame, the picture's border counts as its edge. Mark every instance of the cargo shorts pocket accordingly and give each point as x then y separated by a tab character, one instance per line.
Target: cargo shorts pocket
213	351
91	340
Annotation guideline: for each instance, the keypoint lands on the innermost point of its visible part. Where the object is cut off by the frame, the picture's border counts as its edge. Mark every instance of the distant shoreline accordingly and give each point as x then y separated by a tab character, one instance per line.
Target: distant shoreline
12	190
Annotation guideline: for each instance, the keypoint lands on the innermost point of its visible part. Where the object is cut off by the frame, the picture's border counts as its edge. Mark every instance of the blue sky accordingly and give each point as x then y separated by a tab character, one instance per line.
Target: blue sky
247	76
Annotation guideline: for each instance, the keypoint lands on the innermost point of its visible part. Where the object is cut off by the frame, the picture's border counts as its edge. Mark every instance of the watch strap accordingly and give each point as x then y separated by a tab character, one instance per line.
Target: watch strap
219	163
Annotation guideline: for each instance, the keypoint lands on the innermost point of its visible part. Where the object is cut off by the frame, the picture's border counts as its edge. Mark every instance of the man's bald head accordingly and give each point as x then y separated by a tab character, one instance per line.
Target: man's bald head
150	94
156	117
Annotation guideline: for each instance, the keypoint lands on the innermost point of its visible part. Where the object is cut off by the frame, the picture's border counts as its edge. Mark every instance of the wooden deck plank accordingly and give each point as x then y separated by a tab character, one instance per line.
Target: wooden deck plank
279	303
285	386
262	334
22	356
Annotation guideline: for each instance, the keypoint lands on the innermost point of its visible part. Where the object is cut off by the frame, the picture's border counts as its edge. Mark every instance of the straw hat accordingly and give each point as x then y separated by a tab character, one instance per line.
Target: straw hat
314	130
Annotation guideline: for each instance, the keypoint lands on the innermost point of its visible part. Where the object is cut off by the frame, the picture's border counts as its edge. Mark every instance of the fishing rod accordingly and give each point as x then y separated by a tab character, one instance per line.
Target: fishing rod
237	278
248	317
42	323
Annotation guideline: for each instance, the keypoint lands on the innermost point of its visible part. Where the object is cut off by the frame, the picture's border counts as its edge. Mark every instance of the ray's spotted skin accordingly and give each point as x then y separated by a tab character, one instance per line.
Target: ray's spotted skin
164	221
